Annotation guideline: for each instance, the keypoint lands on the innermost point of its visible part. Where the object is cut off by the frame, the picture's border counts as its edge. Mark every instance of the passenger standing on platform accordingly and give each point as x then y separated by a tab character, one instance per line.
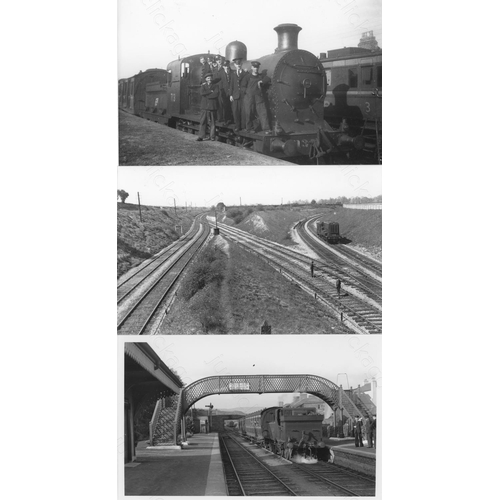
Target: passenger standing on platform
312	268
236	95
339	286
209	97
358	432
253	84
371	432
225	75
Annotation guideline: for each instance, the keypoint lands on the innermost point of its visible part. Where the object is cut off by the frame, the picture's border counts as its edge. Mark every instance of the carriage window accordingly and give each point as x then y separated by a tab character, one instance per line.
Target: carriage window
131	88
367	75
353	78
185	70
169	77
328	76
379	77
278	417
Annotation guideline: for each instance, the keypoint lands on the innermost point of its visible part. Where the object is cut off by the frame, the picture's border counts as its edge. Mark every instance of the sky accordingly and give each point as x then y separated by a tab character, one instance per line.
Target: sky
201	186
151	33
342	359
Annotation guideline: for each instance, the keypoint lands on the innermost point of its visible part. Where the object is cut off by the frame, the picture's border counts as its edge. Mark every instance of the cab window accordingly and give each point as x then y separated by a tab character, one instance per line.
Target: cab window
353	78
367	75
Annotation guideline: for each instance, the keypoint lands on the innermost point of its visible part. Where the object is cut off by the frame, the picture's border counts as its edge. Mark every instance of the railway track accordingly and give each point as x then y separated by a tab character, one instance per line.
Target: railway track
369	265
134	279
140	313
359	307
250	471
352	483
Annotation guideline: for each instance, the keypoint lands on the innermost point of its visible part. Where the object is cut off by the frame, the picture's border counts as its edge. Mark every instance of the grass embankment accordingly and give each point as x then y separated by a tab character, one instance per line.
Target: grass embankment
362	227
273	224
229	291
138	241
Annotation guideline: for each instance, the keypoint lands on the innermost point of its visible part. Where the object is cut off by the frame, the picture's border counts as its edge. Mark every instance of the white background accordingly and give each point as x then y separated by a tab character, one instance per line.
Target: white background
440	189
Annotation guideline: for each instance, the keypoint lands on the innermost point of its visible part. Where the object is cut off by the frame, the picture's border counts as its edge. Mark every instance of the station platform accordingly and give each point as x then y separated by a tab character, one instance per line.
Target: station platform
194	470
361	459
145	143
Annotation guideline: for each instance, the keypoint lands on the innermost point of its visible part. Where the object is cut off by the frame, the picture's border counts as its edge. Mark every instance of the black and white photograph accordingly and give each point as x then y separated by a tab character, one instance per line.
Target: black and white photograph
245	251
259	416
250	83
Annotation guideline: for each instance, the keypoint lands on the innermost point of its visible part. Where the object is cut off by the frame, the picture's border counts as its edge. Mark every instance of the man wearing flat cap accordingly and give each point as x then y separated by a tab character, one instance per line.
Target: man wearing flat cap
209	103
254	85
236	95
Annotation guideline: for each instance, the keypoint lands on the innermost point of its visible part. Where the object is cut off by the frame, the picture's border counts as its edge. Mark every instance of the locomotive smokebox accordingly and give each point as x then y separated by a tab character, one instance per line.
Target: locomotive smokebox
235	50
288	35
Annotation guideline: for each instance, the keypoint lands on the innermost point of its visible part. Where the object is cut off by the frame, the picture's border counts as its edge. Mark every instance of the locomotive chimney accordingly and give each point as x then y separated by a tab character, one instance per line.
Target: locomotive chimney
288	35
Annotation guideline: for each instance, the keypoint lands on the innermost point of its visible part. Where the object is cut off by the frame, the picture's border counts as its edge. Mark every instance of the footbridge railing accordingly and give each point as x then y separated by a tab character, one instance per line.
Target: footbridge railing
324	389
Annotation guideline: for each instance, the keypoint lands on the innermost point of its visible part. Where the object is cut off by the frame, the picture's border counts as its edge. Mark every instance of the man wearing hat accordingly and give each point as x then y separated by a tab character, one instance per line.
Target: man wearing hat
209	97
236	95
253	84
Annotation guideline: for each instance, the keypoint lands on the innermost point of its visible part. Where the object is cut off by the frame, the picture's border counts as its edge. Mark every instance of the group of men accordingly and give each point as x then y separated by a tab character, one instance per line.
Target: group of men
370	428
232	96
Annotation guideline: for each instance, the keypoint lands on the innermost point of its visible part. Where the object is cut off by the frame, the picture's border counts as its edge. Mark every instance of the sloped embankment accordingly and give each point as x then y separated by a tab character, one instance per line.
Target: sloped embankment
138	240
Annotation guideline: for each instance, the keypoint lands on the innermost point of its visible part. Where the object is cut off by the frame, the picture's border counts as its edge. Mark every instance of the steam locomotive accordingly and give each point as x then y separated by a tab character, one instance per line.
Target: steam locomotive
295	102
328	231
286	431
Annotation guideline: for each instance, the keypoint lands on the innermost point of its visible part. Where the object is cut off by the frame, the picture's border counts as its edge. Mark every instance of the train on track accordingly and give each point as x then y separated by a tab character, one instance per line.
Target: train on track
328	231
309	110
287	431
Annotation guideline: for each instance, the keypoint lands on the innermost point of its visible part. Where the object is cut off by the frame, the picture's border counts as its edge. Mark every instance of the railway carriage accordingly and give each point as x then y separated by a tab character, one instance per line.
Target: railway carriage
132	91
353	99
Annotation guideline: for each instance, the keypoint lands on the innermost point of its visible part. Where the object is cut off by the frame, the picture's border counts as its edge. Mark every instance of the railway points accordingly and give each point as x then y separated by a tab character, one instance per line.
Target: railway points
360	307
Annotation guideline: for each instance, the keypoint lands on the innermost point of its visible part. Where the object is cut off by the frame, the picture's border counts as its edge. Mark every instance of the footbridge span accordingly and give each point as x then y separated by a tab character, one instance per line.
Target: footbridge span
324	389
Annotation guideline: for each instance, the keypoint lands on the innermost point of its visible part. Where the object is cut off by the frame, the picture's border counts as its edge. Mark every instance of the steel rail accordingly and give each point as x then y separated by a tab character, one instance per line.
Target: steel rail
257	461
201	239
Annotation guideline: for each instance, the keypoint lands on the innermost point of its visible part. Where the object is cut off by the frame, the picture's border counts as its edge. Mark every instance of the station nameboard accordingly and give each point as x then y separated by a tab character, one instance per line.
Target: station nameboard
239	386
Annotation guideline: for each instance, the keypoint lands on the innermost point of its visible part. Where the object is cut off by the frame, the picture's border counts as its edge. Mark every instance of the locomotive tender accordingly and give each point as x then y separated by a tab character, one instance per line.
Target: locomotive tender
295	101
278	428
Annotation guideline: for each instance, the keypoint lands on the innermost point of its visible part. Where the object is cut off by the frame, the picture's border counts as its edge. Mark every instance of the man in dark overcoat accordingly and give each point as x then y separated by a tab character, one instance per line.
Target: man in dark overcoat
254	85
205	68
358	432
209	103
225	75
236	95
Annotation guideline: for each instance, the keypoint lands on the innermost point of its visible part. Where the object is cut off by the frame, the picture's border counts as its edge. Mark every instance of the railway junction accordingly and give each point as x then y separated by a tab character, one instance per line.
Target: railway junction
218	460
146	293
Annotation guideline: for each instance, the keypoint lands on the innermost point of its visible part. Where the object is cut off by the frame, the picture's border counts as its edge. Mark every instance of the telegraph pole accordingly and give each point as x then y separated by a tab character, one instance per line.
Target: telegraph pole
175	208
139	201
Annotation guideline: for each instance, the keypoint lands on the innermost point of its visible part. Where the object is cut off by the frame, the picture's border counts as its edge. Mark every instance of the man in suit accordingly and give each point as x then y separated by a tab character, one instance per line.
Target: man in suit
205	68
236	95
209	103
254	85
225	75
